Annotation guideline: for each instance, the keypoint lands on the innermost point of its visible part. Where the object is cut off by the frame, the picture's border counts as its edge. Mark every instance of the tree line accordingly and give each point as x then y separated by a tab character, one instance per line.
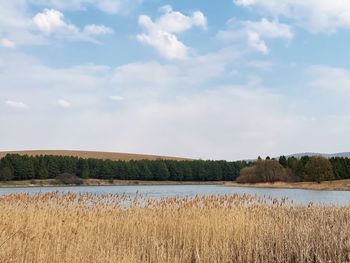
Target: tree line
291	169
23	167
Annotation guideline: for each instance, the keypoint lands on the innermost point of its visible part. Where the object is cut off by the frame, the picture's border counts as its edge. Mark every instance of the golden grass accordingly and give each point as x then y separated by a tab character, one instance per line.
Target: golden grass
93	154
56	227
340	185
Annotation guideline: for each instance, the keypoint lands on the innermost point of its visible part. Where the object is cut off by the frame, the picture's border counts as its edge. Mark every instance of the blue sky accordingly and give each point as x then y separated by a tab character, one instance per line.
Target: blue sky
202	79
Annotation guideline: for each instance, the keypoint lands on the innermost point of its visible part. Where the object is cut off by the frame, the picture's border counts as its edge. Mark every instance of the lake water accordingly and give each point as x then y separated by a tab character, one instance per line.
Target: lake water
297	195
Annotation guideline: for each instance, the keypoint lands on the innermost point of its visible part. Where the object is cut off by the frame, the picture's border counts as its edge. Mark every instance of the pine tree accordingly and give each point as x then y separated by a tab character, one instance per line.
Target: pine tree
162	171
83	169
187	171
6	170
53	168
42	173
174	170
283	161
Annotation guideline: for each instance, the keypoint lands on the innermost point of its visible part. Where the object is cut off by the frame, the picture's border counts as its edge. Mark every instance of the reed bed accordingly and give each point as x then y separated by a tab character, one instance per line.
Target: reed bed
57	227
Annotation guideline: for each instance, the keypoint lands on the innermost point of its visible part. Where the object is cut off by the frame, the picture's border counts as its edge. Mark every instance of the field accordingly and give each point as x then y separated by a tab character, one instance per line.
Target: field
91	154
337	185
56	227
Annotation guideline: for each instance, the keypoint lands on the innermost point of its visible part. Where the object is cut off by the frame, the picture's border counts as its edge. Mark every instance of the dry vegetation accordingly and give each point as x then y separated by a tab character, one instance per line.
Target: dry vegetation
98	182
338	185
58	227
91	154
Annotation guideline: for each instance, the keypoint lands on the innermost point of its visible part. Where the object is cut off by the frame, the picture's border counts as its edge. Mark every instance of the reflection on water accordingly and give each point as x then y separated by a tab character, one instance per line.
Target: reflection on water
157	191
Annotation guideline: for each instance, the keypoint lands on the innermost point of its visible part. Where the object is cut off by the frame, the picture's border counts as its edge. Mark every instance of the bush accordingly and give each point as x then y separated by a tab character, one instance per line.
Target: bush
267	171
248	175
67	178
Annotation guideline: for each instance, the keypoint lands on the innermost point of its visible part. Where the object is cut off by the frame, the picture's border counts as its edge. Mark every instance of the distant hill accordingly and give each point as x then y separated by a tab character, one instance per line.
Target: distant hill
327	155
91	154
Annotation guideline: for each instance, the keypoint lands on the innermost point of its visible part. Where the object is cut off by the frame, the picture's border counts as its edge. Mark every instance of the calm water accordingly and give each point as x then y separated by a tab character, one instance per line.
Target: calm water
297	195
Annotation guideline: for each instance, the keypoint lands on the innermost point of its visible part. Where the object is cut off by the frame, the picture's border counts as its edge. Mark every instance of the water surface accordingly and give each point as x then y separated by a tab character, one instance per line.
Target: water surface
296	195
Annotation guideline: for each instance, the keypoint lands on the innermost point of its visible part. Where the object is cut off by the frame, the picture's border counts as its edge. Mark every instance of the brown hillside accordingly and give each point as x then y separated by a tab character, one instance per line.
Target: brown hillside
91	154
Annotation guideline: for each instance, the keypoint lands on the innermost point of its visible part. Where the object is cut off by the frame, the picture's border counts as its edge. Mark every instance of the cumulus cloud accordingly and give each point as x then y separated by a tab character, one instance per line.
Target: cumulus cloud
161	34
64	103
16	104
315	15
19	26
254	32
176	22
53	22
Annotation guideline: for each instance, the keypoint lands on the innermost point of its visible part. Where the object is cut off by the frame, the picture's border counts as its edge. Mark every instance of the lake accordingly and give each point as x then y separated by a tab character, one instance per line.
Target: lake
157	191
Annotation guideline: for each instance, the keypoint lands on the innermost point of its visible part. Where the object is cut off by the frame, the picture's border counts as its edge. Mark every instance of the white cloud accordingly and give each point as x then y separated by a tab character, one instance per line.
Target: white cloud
253	32
41	84
7	43
176	22
152	79
16	24
51	20
97	30
315	15
202	124
161	34
165	43
256	42
273	29
16	104
64	103
166	115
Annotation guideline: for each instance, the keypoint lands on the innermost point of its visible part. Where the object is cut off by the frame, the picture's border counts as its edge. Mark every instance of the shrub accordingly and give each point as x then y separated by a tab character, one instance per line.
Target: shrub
67	178
265	171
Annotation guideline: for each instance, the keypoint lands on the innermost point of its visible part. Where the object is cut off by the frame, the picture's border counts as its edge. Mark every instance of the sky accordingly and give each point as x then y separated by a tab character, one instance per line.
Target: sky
229	79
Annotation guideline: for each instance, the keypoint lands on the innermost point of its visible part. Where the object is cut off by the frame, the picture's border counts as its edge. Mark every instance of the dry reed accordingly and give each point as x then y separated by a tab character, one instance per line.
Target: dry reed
56	227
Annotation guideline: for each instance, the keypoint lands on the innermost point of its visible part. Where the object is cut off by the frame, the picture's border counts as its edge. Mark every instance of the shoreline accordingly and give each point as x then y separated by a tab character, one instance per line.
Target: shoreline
98	182
337	185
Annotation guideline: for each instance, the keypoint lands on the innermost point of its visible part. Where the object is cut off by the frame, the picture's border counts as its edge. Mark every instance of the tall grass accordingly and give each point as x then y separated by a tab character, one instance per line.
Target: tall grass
56	227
